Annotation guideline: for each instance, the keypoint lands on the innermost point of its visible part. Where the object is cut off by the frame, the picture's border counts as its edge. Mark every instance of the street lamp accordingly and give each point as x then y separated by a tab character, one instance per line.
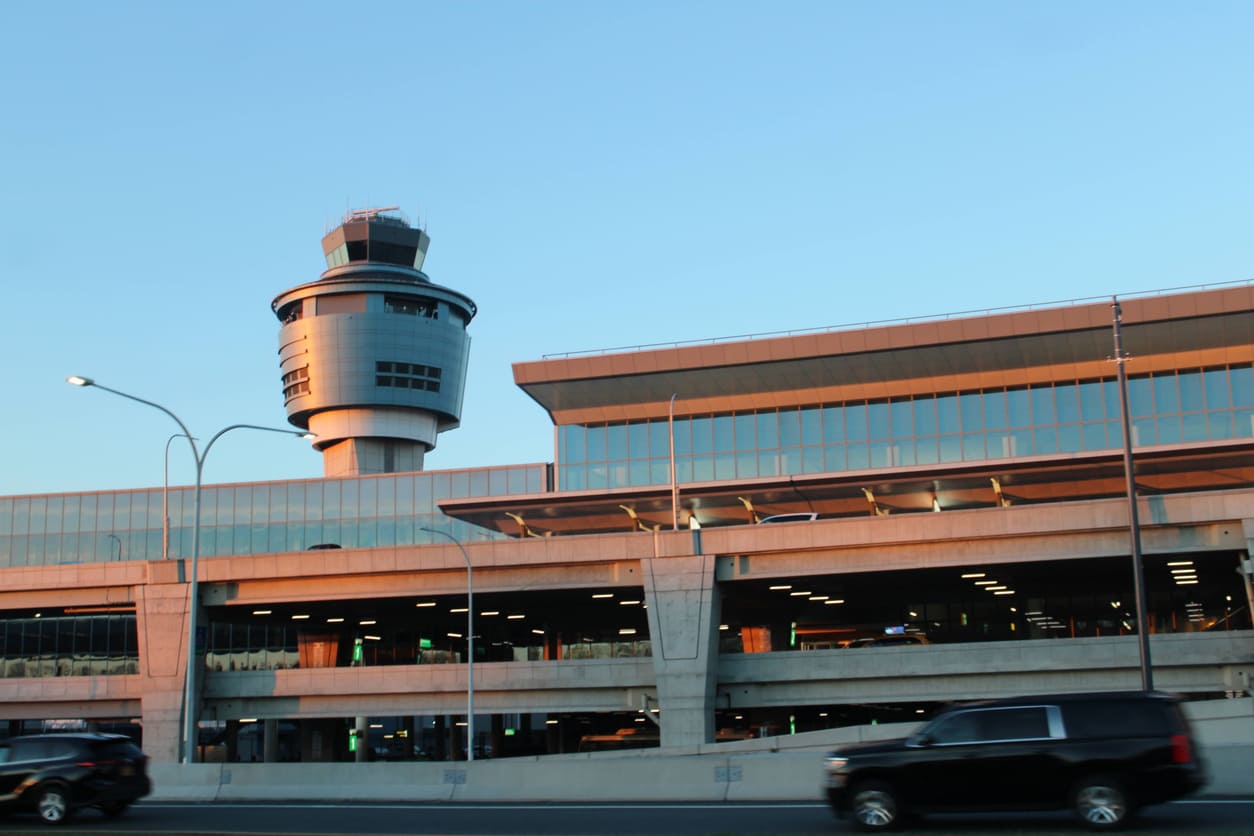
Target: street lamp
1134	525
165	499
189	695
470	641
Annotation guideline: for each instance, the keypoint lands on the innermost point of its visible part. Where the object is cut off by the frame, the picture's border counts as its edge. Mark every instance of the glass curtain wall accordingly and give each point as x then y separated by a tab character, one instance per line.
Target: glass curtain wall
259	518
1165	408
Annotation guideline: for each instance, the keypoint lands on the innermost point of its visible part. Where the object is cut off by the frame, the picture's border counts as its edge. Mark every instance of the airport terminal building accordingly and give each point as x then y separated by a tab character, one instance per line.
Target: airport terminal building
956	526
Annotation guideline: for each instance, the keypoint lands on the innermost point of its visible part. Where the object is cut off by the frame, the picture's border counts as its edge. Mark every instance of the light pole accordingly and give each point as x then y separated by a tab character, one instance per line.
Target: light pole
115	538
670	430
1138	571
470	641
189	695
165	499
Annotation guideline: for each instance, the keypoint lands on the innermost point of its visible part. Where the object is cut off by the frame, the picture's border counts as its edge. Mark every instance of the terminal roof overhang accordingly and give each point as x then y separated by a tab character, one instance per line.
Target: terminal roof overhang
726	375
988	484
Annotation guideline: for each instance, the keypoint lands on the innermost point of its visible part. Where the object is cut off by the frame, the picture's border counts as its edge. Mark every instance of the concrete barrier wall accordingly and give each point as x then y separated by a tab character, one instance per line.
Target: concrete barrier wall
787	768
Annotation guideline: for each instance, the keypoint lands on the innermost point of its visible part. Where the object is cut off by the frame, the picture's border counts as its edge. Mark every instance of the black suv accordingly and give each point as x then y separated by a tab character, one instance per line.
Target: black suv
57	774
1102	755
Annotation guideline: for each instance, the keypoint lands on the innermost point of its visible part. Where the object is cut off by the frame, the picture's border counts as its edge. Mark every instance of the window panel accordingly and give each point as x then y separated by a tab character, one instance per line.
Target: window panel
902	418
1218	395
724	433
1242	380
856	422
702	435
1019	408
659	438
811	426
927	450
833	424
1169	429
950	448
1066	403
638	440
973	447
746	431
812	460
834	457
596	439
925	416
768	430
1070	439
971	408
948	418
789	428
1042	405
1166	394
746	464
1092	400
994	411
616	442
879	421
683	437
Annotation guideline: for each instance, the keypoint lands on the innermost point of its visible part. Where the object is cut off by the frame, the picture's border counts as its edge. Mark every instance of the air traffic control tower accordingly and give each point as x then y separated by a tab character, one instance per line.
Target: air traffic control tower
373	355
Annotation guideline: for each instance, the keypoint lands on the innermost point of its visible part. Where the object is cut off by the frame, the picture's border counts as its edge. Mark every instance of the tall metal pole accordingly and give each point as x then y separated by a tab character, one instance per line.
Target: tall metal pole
470	641
670	426
189	693
1138	571
165	500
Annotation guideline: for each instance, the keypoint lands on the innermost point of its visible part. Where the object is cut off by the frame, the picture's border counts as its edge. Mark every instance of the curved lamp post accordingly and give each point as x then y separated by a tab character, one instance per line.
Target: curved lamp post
189	695
470	641
165	499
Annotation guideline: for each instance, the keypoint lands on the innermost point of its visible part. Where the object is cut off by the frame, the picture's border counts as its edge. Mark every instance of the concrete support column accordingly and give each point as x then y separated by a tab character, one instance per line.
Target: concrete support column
683	627
1246	566
362	725
270	741
161	622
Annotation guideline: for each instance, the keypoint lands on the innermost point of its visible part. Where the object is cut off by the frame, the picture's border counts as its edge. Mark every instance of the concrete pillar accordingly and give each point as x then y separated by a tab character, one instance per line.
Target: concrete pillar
683	628
1246	567
161	624
270	741
362	725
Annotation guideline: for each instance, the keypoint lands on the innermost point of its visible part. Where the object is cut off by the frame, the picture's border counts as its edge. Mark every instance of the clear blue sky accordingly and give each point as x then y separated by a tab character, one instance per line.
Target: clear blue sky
592	174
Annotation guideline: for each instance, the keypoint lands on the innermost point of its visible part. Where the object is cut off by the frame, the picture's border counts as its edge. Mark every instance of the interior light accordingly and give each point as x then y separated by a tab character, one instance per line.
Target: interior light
627	631
454	635
1180	563
628	603
301	617
603	595
985	583
723	627
550	722
261	612
831	601
515	617
459	609
425	604
974	575
997	588
1184	571
1005	592
334	620
490	613
374	638
376	725
780	587
538	632
818	597
367	622
799	594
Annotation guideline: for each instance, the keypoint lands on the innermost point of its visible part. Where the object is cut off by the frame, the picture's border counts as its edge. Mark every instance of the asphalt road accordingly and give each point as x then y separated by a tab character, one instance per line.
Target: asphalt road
1183	818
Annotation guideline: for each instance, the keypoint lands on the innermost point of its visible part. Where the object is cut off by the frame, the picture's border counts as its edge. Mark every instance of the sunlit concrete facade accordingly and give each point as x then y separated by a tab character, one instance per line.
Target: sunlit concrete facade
967	475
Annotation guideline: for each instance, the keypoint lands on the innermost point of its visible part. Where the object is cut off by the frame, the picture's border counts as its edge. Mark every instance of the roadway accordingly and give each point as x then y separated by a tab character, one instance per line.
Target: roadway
1184	818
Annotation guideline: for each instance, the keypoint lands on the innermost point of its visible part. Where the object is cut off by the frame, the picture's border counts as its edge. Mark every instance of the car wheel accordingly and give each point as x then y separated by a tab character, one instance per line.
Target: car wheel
1101	803
53	804
113	809
875	806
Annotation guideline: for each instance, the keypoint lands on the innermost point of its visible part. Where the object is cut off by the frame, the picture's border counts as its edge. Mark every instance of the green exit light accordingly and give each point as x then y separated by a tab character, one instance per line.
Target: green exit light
509	732
425	644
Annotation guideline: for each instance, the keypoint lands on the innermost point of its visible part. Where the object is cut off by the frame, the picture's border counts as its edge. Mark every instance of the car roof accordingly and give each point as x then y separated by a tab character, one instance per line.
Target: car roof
98	736
1052	699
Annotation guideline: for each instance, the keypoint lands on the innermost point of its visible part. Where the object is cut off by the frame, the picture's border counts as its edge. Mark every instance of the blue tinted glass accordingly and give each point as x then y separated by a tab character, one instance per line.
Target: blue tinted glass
598	477
616	442
725	466
1193	426
994	411
746	464
972	408
791	460
724	433
1019	407
1166	394
834	457
746	431
1221	425
927	450
1110	394
1140	397
947	416
702	435
574	446
638	441
789	428
812	460
1191	397
879	421
1044	440
856	422
1020	443
1169	429
768	463
659	438
812	426
1067	402
1092	407
1218	396
833	425
768	430
925	416
950	448
638	473
702	468
1242	378
479	480
367	497
596	438
1070	439
683	436
1042	405
659	472
902	413
881	454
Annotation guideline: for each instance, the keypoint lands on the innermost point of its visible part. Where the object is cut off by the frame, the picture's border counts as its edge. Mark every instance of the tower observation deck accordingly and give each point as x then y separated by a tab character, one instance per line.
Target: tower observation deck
373	355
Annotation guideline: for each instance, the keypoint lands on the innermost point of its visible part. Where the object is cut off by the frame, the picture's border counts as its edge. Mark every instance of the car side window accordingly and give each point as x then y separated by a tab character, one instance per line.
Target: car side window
4	752
962	727
1028	723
